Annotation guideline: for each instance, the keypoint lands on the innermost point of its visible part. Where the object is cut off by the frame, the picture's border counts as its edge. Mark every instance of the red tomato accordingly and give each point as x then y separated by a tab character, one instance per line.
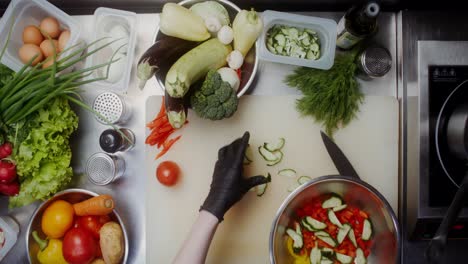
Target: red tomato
79	246
92	223
167	173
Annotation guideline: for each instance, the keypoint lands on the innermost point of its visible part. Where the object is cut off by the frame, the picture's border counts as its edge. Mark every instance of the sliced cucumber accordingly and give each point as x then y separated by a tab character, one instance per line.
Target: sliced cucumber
279	157
298	242
293	187
298	228
339	208
327	252
290	173
266	154
304	179
315	255
261	189
332	217
342	258
352	237
326	261
360	258
280	39
272	147
366	230
342	233
332	202
314	223
325	237
306	225
294	42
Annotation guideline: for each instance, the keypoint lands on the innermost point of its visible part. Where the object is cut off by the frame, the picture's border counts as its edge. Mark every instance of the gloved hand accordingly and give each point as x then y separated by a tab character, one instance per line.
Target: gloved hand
228	184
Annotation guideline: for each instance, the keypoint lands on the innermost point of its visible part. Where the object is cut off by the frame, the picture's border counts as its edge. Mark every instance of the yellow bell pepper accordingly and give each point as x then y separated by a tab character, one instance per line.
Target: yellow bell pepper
298	259
50	250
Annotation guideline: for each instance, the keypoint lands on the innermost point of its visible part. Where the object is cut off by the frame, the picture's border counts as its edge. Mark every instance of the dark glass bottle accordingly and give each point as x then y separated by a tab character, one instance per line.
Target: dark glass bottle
112	140
357	24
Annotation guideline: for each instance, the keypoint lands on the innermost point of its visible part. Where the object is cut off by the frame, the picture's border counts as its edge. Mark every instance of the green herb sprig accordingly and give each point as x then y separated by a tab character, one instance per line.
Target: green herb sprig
332	96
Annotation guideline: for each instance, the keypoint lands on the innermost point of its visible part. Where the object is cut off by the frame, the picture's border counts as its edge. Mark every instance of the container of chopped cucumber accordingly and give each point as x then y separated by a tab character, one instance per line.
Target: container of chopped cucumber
298	40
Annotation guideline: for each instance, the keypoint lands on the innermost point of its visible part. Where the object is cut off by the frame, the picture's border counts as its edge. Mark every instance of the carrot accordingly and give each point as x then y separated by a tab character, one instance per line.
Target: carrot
166	146
99	205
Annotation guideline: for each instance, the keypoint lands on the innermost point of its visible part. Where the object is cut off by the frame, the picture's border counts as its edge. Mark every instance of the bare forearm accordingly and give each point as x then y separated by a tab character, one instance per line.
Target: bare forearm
195	247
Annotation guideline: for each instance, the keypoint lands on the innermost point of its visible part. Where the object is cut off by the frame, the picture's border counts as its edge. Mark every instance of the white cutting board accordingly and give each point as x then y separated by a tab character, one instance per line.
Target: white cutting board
370	143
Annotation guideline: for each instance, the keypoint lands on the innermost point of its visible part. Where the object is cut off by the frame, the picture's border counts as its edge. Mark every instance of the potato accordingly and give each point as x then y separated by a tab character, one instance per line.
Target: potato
112	243
98	261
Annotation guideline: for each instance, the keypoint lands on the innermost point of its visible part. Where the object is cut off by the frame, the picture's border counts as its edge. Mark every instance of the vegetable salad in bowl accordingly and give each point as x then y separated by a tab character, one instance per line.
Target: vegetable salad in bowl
327	230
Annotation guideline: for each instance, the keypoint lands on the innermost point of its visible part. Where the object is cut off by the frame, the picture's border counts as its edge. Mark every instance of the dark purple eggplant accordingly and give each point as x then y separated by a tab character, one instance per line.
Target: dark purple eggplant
163	53
176	110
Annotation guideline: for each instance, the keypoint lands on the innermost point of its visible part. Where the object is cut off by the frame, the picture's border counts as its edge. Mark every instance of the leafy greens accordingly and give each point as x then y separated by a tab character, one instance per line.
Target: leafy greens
332	97
43	157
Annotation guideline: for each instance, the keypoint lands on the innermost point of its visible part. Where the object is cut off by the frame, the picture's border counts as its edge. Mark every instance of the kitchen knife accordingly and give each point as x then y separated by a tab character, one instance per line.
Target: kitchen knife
339	159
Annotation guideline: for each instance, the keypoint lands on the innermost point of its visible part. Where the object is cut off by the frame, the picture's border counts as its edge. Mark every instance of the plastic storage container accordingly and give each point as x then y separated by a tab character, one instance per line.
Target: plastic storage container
326	31
119	26
30	12
9	231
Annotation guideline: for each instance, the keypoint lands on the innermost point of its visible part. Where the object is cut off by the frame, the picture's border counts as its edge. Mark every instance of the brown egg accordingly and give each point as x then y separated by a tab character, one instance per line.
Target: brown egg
32	35
49	47
63	39
28	51
50	26
48	63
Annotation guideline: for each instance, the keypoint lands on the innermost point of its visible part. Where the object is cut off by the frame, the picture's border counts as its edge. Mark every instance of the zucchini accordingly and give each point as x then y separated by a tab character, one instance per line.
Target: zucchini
326	261
290	173
314	223
276	146
195	64
298	242
332	217
303	180
332	202
366	230
315	255
344	259
352	237
176	110
261	189
342	233
325	237
360	258
177	21
339	208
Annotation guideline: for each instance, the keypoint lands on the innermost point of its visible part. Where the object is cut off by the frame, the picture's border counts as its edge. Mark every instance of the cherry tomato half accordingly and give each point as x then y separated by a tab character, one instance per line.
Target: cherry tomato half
167	173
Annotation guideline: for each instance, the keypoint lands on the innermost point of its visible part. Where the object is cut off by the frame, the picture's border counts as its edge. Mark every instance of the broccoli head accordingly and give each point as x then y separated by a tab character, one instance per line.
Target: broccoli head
215	99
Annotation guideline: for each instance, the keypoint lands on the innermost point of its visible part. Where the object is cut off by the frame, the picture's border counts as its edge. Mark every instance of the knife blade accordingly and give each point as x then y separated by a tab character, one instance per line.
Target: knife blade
342	164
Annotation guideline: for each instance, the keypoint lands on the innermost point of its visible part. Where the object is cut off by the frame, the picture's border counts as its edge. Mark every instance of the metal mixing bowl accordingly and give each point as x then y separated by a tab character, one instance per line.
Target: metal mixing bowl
249	68
386	233
72	196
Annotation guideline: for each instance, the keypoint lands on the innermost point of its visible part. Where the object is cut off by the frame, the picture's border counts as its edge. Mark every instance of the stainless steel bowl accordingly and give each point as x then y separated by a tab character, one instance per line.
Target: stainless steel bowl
72	196
249	68
386	232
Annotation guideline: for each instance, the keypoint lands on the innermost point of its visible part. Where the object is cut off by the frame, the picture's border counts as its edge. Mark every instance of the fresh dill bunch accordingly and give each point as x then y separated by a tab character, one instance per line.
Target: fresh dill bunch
332	96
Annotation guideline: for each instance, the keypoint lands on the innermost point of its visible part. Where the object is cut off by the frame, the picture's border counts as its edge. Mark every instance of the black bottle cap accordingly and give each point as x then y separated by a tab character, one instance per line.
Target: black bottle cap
110	141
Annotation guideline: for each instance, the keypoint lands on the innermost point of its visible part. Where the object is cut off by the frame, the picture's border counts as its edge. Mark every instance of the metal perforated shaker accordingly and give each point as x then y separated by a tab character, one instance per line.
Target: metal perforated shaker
373	62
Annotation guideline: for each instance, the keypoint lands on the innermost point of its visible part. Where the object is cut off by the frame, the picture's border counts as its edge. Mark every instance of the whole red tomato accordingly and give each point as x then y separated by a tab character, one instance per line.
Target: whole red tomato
92	223
79	246
168	173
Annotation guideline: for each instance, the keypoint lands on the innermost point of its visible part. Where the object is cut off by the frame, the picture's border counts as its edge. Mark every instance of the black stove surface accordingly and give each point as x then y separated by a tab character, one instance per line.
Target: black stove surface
443	80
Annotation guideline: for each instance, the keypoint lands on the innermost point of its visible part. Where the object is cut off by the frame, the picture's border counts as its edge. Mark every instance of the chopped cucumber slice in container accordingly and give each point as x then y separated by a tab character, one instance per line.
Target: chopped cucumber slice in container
360	258
298	242
366	230
339	208
332	217
325	237
315	255
332	202
352	237
344	259
342	232
314	223
293	42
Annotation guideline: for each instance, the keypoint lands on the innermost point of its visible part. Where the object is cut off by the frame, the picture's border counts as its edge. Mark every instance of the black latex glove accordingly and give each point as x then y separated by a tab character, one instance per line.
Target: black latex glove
228	184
